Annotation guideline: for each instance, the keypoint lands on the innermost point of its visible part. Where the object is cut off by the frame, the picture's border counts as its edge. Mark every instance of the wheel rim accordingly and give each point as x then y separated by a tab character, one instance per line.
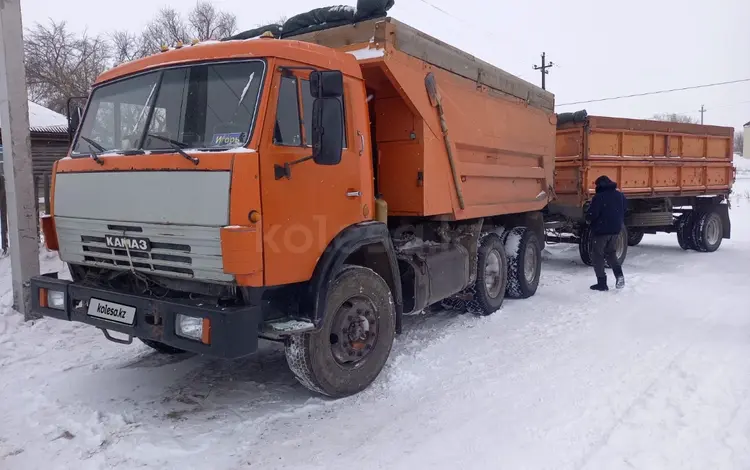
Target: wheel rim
713	231
621	242
354	332
493	274
529	263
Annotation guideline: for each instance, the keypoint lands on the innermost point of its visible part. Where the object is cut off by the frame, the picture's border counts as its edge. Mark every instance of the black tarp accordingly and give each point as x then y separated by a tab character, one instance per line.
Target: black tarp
317	19
322	18
578	116
369	9
275	29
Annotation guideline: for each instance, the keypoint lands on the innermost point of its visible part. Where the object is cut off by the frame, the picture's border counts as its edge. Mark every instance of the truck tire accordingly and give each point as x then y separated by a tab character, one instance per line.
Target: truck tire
492	276
684	228
161	347
635	236
354	341
586	247
524	262
708	231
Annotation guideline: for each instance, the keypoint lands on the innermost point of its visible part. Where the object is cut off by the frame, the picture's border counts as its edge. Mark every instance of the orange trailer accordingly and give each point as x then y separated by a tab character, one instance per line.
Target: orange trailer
309	190
676	177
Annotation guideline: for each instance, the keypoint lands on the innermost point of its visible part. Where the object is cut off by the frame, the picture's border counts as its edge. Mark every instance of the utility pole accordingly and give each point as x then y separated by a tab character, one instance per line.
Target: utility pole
544	70
19	182
703	110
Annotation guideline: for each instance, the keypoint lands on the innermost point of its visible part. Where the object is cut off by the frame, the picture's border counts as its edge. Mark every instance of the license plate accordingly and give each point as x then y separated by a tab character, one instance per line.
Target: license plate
111	311
128	243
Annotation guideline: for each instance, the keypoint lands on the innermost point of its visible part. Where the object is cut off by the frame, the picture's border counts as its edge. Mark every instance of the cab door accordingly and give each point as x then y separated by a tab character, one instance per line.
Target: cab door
304	205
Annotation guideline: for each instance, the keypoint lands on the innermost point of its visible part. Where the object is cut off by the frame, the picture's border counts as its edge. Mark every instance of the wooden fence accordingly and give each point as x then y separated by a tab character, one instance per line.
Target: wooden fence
42	186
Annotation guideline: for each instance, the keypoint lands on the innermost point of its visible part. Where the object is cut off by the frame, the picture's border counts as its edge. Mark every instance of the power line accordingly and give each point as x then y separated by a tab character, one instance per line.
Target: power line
712	107
442	11
656	92
485	32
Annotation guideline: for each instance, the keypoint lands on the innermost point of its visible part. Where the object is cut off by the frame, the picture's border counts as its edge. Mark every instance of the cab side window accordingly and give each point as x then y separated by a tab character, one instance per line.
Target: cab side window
288	128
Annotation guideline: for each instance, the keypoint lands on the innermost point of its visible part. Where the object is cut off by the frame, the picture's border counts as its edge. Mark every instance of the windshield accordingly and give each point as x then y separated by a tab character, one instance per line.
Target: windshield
207	106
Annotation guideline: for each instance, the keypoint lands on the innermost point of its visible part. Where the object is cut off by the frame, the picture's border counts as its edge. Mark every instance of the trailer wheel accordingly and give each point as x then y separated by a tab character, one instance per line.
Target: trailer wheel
684	226
161	347
524	262
634	237
708	231
350	349
586	247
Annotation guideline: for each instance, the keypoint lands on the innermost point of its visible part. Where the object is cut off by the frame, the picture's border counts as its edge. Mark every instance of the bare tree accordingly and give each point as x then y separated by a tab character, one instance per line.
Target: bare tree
207	23
739	141
60	64
204	22
126	46
674	117
168	28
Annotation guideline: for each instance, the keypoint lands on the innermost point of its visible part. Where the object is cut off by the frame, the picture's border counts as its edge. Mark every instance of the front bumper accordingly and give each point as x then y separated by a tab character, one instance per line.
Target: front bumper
233	331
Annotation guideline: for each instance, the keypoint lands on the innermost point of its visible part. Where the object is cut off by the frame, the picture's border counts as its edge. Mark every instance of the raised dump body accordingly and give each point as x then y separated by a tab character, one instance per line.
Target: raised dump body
676	177
501	129
647	159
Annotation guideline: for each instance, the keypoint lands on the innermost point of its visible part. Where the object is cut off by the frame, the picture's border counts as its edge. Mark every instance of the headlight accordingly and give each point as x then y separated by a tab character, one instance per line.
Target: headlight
195	328
56	299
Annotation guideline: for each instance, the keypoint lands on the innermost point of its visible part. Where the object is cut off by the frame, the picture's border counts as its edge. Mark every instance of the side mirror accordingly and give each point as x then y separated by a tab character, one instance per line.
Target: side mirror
75	114
74	120
327	131
326	84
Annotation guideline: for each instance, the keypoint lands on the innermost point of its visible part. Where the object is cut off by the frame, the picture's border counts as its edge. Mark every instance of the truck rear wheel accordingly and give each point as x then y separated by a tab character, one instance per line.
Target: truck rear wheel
708	231
524	262
492	276
684	226
353	344
634	237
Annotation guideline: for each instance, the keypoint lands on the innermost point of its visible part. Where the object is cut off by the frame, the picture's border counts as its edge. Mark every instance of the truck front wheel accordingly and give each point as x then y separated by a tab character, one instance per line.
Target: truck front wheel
353	344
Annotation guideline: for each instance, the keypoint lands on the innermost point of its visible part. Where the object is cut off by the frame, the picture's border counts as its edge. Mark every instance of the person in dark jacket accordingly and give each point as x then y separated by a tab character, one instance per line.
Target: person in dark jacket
606	214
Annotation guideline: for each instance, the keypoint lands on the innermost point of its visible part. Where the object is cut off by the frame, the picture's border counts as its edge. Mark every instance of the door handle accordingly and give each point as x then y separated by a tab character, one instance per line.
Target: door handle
353	194
362	142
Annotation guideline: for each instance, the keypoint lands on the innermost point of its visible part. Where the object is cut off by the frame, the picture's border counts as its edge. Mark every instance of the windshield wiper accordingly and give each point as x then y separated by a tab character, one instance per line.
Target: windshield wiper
177	146
91	142
94	155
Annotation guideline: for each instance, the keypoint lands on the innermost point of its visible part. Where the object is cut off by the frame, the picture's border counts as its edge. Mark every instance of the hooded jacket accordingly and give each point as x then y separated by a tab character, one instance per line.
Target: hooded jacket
606	213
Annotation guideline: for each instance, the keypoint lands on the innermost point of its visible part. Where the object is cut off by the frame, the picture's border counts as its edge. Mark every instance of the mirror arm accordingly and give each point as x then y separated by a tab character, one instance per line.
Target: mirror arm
285	170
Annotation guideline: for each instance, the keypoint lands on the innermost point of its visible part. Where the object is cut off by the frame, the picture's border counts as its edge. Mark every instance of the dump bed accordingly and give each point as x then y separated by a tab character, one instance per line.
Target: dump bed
501	129
646	158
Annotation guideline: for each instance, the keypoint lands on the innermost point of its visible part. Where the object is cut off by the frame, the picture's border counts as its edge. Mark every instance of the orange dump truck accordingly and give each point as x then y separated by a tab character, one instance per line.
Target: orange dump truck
310	190
677	179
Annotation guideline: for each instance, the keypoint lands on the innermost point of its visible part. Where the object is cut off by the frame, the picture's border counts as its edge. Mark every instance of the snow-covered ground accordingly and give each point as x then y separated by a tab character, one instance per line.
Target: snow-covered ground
651	377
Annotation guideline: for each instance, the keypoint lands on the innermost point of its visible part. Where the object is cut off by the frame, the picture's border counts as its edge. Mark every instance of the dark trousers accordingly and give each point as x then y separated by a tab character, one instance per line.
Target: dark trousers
605	247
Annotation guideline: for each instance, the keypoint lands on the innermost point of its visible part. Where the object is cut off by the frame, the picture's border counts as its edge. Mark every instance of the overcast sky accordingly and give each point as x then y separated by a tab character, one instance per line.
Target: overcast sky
600	48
